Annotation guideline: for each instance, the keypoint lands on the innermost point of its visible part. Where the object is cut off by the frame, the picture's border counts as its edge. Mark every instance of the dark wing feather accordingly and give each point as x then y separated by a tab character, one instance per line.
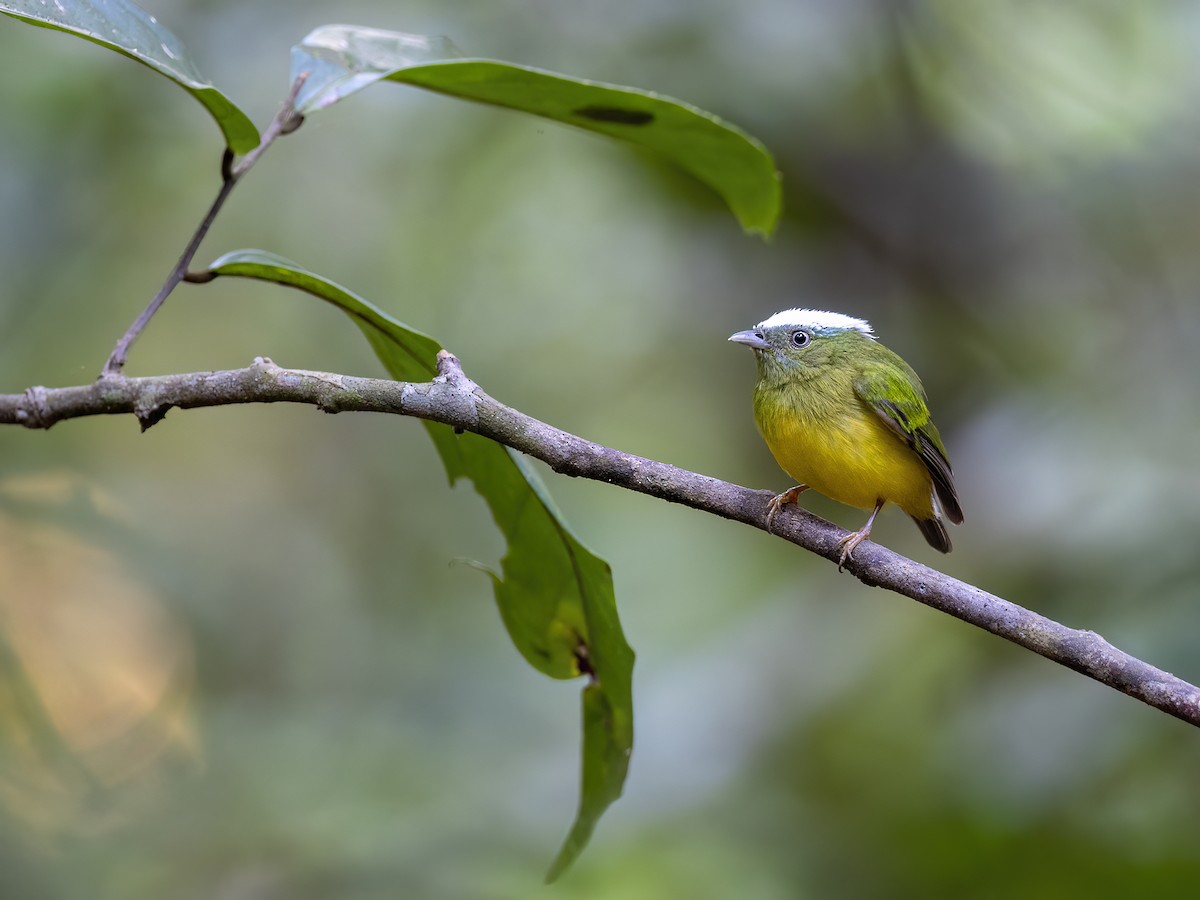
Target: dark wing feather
935	533
894	392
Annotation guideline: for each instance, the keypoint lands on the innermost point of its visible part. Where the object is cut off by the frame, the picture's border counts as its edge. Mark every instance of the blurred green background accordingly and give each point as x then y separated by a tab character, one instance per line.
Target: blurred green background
240	655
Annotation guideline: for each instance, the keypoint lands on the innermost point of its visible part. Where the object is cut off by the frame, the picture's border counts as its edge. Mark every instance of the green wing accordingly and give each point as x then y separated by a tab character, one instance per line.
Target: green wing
894	392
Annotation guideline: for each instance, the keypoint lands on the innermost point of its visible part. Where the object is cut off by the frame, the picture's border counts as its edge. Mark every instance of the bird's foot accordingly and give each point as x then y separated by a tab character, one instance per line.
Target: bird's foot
779	501
848	543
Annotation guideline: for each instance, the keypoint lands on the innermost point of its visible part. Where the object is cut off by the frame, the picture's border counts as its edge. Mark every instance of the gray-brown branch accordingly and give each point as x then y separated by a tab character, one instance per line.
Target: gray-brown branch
455	400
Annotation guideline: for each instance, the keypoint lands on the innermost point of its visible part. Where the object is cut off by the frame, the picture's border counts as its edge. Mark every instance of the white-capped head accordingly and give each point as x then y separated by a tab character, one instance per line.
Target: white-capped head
817	320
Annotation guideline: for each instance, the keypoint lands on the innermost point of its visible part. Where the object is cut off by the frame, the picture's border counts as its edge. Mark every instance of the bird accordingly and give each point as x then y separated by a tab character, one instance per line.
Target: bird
845	416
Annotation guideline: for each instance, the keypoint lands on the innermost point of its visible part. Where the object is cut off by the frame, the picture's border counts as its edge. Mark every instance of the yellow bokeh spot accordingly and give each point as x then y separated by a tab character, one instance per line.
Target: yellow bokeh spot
95	674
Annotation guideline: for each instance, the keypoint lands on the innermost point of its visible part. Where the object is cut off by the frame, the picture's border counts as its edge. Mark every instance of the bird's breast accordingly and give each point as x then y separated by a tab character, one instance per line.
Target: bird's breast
841	449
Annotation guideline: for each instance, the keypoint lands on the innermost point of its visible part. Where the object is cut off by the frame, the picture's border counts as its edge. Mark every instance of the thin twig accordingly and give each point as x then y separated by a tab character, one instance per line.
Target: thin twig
455	400
286	121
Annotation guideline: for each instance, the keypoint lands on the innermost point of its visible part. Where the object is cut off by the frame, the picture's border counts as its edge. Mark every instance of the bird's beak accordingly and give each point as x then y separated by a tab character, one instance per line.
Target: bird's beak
752	339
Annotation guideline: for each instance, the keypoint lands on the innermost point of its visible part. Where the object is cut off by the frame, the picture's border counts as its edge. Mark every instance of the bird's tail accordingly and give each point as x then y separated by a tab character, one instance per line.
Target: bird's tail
935	532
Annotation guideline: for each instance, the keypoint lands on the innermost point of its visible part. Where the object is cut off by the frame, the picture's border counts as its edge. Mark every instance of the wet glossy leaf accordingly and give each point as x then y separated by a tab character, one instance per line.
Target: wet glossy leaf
555	596
130	30
343	59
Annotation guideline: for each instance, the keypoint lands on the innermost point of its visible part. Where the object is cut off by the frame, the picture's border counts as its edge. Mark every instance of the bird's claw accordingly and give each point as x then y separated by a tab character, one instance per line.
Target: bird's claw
848	543
779	501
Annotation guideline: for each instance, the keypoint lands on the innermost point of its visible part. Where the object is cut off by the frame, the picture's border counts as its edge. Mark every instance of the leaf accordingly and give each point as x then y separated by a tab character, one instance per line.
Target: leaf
130	30
555	596
605	764
343	59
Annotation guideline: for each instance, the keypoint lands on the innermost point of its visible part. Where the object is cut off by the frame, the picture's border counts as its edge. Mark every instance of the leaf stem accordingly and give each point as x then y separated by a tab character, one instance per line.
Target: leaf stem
286	121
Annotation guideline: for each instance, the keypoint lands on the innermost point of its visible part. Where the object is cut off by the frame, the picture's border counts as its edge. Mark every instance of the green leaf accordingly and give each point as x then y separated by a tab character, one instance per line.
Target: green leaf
605	764
127	28
343	59
555	596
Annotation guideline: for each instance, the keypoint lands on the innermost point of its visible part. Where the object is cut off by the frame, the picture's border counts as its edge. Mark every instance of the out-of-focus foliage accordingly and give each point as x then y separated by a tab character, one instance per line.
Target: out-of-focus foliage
324	704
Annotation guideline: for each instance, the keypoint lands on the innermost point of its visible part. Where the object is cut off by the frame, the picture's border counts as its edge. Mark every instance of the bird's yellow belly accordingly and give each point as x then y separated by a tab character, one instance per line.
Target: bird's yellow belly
854	459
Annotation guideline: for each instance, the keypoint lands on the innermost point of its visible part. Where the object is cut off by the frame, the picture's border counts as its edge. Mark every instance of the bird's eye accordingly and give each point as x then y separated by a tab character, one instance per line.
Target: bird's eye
801	338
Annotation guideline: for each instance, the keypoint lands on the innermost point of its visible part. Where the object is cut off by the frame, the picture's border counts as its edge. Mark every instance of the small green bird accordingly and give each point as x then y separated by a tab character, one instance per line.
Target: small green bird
845	416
